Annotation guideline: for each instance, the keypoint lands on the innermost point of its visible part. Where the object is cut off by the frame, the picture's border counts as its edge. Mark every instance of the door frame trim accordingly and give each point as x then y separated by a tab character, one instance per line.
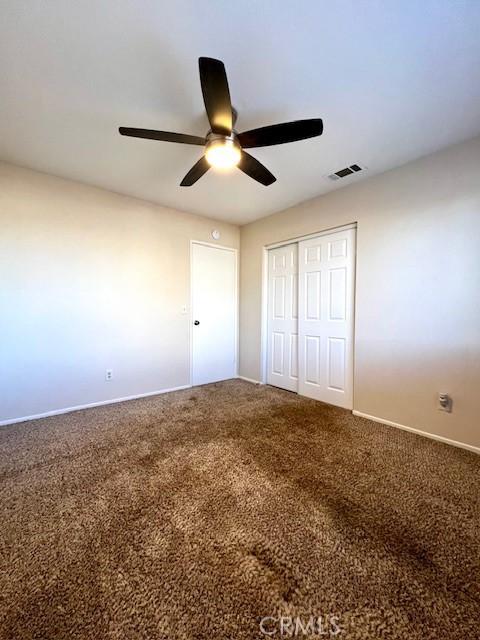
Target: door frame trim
190	311
309	236
264	308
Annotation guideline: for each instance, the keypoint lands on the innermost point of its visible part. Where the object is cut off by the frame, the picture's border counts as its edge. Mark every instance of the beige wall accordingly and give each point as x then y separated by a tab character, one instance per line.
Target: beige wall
418	288
90	280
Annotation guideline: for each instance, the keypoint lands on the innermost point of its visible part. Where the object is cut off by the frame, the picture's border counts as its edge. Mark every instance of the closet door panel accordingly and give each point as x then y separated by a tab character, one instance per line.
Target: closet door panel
326	317
282	324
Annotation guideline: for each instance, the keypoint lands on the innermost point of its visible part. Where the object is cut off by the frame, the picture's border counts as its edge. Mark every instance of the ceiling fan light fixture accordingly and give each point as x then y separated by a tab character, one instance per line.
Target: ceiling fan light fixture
223	153
224	147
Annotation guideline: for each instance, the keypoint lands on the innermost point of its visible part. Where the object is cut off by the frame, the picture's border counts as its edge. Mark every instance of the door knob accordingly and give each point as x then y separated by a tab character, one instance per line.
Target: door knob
195	322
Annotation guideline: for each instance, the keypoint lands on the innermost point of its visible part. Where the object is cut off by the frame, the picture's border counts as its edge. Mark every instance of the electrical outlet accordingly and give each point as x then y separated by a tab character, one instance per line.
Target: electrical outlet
108	374
444	402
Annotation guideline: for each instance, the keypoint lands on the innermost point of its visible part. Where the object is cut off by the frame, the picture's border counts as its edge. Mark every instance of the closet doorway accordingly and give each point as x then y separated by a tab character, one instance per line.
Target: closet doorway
310	316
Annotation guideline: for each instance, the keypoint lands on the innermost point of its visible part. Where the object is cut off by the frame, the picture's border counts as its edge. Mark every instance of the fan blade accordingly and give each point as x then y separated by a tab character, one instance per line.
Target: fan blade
216	95
196	172
165	136
255	169
281	133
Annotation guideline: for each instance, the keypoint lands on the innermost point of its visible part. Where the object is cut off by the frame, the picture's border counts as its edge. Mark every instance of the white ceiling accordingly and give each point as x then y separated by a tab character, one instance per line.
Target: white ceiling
392	80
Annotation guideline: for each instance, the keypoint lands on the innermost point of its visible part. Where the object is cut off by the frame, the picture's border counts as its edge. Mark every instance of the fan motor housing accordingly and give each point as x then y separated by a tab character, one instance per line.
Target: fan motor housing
213	138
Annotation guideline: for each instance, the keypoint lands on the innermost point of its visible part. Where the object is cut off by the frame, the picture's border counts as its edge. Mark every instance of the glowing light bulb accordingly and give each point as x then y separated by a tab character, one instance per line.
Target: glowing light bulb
223	154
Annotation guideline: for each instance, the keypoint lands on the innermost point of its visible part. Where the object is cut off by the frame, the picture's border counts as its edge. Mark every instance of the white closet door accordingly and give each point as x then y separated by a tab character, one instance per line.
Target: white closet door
326	316
282	367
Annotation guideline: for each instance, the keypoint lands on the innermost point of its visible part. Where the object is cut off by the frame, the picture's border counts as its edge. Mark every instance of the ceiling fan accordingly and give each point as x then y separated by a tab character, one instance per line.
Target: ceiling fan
224	147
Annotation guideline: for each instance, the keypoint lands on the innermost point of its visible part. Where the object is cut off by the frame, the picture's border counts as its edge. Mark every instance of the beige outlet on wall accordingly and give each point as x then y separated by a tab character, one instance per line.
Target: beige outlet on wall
444	402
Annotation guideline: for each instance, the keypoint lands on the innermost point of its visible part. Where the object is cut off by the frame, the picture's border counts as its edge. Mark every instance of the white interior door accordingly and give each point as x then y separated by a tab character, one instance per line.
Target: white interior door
282	368
214	314
326	317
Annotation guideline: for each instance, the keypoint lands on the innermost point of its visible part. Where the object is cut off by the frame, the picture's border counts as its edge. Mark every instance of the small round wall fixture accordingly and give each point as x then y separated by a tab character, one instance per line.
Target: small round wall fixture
216	234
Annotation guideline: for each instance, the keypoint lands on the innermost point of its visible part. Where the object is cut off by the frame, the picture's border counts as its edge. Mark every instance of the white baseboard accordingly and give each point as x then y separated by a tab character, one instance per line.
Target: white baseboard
432	436
90	405
250	380
389	423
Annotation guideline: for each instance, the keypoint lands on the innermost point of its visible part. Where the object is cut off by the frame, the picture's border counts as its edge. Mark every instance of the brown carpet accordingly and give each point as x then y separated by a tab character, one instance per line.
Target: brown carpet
196	514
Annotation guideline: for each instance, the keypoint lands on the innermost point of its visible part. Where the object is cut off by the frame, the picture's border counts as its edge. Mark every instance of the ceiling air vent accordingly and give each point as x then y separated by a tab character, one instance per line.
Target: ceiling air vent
348	171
